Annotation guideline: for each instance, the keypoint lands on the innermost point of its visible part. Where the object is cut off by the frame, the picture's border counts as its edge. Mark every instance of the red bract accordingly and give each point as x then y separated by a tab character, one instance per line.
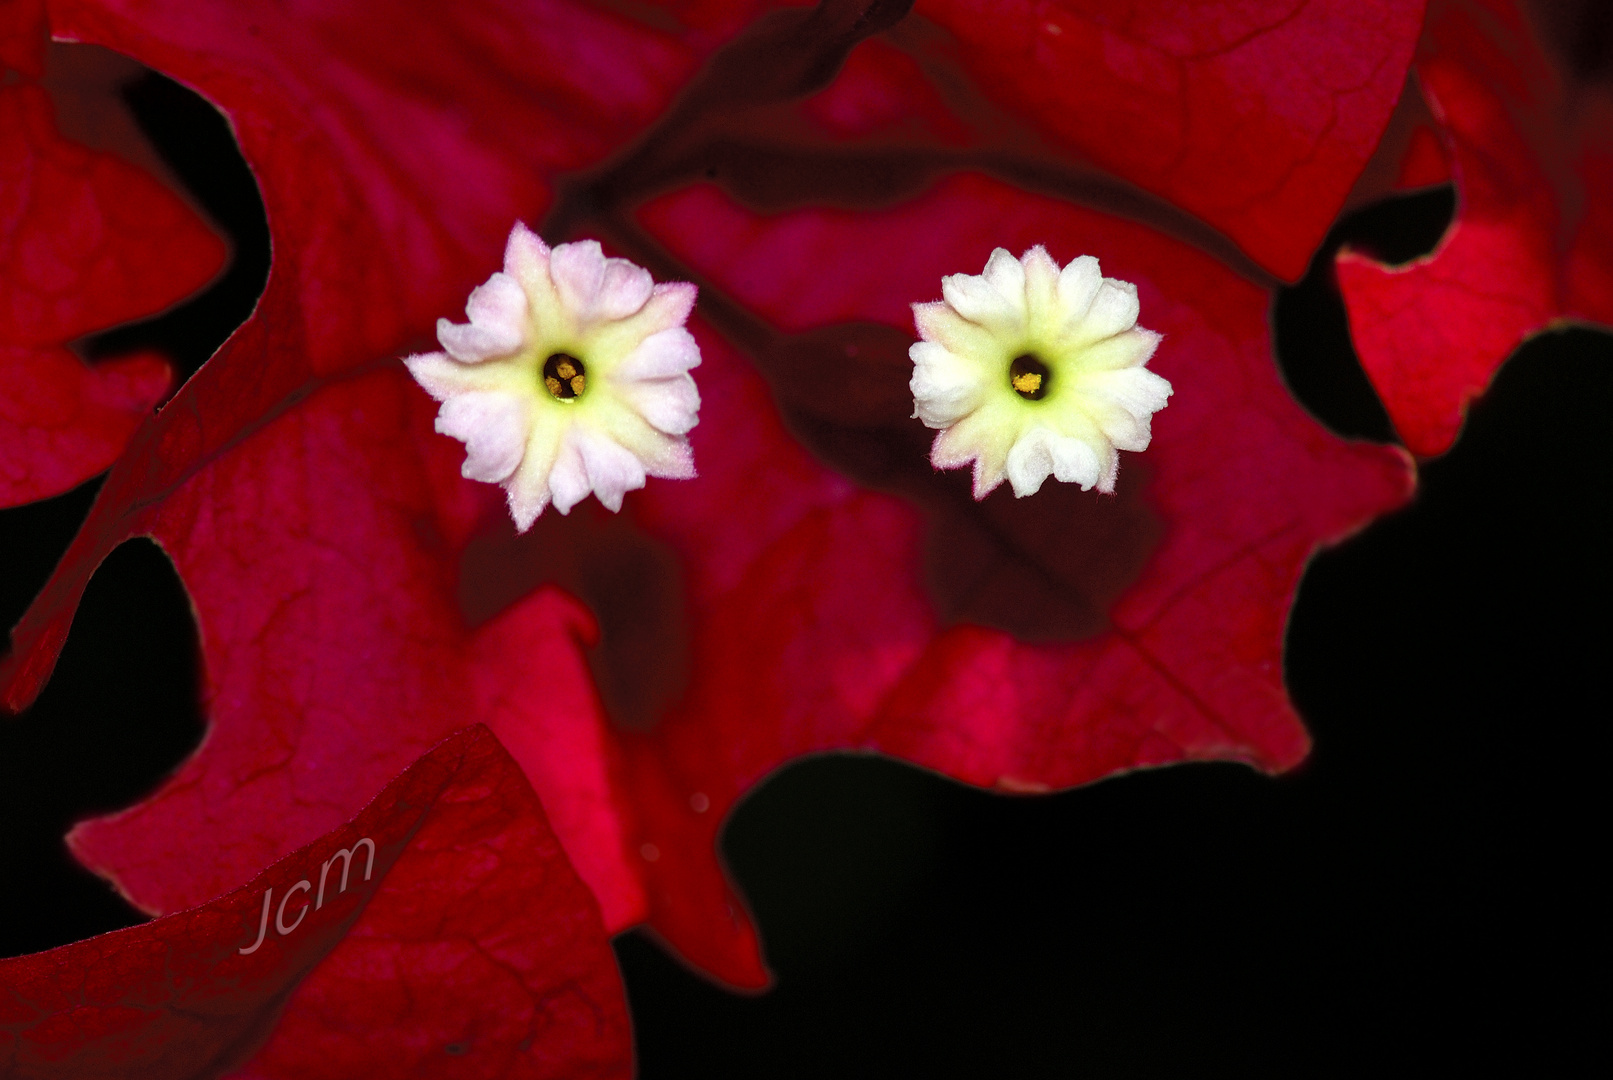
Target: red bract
816	628
1256	118
818	587
458	943
1532	242
87	241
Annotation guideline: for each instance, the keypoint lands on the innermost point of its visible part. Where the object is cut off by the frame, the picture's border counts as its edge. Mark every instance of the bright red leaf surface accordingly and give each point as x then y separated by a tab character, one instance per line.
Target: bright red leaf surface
1532	242
87	241
458	943
818	587
1236	491
1257	117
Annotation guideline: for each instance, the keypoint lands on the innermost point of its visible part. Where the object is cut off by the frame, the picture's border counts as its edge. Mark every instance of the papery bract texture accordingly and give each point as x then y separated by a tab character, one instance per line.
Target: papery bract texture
1255	117
817	587
87	241
458	942
1532	241
346	150
333	490
859	649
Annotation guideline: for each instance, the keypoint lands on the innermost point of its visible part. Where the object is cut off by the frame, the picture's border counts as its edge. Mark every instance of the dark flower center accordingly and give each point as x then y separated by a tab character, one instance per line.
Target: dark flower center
564	376
1029	376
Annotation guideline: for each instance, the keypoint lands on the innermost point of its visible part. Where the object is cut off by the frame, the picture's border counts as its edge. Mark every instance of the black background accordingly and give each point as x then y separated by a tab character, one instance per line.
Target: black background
1418	895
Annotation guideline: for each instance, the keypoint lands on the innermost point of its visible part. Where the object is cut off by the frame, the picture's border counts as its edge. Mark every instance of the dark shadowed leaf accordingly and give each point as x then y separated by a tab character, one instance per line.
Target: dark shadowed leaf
457	942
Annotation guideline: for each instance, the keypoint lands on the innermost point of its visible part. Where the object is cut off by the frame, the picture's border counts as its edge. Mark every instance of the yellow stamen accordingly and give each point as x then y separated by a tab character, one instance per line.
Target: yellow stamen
1028	383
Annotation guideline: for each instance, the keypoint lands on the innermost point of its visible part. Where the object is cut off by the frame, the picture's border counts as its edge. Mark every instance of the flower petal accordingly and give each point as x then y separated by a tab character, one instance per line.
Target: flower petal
493	426
596	288
612	470
980	301
1004	274
1071	461
670	405
1114	310
662	355
946	388
498	319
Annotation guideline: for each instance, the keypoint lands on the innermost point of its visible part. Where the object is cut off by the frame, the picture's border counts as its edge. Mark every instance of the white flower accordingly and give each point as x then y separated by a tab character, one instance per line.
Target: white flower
1030	371
571	377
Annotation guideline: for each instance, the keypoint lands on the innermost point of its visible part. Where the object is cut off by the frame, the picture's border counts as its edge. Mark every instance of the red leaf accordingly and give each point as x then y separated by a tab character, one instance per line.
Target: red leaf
62	420
1532	242
348	151
1425	163
1255	117
472	951
87	241
812	628
357	599
23	33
